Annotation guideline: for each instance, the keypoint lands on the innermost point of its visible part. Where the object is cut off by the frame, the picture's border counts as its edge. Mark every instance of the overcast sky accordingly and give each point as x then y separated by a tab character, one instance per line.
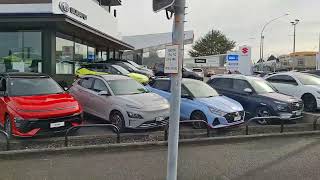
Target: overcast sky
239	20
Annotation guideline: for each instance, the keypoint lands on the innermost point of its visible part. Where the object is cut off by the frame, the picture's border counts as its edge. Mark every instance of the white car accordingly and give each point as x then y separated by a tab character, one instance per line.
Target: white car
198	71
300	85
121	100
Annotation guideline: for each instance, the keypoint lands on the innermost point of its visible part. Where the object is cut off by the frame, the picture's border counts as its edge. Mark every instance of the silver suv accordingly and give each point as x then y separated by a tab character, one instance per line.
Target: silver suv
121	100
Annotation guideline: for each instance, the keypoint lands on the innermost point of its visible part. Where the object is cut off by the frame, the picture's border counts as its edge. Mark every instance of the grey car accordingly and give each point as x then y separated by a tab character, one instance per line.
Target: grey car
121	100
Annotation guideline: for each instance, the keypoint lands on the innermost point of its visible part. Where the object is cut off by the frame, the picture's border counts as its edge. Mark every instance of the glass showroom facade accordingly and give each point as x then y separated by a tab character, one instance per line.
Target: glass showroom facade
56	48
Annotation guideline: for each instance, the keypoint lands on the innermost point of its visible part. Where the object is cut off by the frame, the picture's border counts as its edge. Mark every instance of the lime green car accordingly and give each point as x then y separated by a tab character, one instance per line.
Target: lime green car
101	69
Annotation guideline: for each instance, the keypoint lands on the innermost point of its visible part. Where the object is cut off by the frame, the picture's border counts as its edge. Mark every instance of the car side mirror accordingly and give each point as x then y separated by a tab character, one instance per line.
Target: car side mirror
104	93
248	90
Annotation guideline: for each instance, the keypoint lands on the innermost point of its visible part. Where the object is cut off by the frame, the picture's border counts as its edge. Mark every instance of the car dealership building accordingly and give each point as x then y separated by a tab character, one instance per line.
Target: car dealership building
57	36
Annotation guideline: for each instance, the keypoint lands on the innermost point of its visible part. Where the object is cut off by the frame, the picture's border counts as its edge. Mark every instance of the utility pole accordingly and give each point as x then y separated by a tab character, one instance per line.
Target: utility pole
294	23
174	122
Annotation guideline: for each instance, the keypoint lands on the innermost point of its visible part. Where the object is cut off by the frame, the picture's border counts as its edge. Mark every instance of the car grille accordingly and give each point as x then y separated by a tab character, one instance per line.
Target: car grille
295	106
231	116
44	124
154	124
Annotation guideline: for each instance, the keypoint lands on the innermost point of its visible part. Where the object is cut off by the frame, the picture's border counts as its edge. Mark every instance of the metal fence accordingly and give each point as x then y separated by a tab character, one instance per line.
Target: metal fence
75	128
208	128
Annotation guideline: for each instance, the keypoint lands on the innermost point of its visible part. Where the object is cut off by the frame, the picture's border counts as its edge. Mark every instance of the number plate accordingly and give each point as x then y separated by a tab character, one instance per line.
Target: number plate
238	118
56	125
159	118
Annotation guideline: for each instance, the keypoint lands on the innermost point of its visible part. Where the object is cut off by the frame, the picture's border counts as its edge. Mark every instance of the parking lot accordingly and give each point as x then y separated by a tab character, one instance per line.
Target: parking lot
268	158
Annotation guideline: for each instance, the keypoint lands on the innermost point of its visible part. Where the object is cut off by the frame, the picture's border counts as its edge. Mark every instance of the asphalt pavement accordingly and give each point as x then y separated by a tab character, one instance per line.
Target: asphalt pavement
281	158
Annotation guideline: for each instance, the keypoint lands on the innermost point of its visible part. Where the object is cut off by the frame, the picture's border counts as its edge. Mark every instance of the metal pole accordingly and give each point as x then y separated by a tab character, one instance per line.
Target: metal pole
294	46
173	140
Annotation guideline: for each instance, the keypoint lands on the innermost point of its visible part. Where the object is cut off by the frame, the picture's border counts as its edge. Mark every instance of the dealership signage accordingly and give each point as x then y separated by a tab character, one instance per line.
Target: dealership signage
65	8
203	61
240	60
171	60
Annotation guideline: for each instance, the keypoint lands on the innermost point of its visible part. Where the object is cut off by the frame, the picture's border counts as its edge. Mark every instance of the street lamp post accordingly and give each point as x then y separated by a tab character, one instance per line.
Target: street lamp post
262	36
294	24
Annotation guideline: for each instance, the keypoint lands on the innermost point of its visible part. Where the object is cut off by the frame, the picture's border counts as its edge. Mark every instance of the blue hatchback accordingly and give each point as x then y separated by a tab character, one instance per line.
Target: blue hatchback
201	102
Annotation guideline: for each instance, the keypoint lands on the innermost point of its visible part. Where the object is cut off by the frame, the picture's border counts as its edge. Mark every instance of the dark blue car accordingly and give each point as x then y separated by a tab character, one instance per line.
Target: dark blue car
257	96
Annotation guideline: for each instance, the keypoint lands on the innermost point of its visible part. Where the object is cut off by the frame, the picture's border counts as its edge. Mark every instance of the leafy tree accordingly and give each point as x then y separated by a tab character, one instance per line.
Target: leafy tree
213	43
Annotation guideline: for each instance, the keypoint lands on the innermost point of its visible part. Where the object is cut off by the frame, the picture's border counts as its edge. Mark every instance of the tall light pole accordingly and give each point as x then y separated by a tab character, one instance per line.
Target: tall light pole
294	24
262	36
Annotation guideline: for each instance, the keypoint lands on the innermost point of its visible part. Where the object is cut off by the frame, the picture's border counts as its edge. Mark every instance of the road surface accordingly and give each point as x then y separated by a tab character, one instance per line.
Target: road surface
282	158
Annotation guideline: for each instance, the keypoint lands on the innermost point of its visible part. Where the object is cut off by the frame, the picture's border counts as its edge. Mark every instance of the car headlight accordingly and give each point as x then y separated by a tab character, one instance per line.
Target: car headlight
134	115
281	106
18	121
217	111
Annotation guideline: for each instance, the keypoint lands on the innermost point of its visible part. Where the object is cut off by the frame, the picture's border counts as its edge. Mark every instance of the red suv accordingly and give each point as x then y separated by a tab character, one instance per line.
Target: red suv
32	104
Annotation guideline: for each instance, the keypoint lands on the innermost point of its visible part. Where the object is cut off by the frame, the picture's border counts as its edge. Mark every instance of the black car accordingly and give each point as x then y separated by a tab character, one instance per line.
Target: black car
258	97
186	73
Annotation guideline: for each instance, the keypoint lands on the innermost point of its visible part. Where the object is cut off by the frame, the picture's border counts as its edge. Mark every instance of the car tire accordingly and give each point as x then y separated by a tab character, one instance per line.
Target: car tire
263	112
198	115
116	118
8	126
310	102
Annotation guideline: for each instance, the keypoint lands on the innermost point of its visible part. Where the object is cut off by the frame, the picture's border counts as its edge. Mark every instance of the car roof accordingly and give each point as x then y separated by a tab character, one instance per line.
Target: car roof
236	76
183	79
109	77
23	74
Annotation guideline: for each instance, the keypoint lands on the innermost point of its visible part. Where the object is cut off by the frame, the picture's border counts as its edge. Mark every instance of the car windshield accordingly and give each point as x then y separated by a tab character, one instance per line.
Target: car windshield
308	79
135	64
33	86
130	66
261	86
126	87
200	89
121	69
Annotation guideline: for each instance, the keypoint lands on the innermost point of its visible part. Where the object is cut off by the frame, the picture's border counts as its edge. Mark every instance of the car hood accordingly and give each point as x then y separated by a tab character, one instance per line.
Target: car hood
280	97
44	106
222	103
146	101
139	77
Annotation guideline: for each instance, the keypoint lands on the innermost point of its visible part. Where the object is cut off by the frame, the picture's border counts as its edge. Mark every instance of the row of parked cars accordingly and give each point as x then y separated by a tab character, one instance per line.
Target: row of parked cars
32	104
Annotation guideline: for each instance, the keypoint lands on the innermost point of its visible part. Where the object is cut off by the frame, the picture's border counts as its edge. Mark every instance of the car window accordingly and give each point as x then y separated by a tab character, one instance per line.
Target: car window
86	83
240	85
163	85
308	79
199	89
285	79
221	83
99	86
19	86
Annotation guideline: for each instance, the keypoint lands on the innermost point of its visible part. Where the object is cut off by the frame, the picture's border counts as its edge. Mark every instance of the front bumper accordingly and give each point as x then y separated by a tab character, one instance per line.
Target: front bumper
29	128
150	119
230	119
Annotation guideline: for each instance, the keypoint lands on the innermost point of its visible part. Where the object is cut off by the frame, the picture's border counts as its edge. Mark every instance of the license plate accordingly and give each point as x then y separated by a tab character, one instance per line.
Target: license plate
238	118
159	118
56	125
298	113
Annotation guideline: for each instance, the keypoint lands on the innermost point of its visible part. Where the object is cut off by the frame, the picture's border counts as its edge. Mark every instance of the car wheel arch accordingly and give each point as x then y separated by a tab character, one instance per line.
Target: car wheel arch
198	111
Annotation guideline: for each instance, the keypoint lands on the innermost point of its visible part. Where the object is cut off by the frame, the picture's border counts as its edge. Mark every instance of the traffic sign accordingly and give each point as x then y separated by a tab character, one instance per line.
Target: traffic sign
171	60
159	5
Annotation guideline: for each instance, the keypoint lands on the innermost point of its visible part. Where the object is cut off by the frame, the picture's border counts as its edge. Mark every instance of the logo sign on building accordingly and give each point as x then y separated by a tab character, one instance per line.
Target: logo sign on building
171	61
233	57
203	61
159	5
245	51
65	8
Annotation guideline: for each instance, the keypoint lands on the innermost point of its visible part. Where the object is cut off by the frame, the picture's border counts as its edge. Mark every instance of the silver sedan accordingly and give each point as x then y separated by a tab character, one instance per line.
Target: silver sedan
121	100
